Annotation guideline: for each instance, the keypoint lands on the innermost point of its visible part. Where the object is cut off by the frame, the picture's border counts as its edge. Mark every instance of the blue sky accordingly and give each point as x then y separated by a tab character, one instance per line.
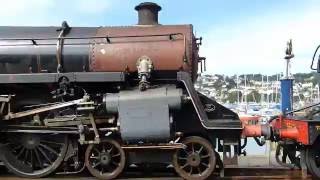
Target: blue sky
240	36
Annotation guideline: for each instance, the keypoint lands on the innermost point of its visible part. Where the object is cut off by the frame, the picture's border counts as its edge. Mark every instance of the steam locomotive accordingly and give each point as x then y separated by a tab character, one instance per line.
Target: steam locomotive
106	98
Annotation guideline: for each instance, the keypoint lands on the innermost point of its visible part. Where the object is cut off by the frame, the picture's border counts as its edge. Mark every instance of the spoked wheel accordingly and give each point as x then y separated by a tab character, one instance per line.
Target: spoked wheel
197	161
313	159
34	155
105	160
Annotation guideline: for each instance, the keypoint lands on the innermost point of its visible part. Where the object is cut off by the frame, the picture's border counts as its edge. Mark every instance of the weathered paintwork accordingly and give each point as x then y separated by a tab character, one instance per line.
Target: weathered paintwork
122	53
171	48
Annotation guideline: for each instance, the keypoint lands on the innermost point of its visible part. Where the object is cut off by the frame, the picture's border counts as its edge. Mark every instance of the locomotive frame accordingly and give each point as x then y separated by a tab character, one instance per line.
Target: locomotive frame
199	125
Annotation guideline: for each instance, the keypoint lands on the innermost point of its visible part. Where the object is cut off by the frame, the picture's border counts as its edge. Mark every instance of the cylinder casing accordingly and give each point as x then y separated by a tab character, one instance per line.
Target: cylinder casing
144	116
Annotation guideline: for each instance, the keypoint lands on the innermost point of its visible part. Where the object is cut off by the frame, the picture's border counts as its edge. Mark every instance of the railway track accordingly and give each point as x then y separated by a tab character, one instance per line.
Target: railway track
232	173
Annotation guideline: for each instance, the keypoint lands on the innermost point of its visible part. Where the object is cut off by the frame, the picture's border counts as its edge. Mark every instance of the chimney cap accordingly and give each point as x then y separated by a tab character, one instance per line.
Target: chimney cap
150	5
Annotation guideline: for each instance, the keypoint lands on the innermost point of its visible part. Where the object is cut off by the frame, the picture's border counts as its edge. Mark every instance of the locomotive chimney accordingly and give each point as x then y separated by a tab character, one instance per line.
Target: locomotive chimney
148	13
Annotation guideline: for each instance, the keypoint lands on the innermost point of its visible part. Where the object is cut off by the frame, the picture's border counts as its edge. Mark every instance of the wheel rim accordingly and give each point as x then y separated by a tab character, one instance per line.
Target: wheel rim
105	160
34	155
313	160
196	161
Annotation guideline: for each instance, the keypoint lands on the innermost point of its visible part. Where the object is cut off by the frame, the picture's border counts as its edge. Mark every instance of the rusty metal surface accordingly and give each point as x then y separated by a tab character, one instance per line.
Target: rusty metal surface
122	53
174	50
61	49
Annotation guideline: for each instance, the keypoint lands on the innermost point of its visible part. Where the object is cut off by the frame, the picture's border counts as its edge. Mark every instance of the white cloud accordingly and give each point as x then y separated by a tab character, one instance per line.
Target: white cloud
257	45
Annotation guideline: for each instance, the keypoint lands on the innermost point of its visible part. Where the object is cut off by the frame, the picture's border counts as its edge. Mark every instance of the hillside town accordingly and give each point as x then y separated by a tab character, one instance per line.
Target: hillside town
252	92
